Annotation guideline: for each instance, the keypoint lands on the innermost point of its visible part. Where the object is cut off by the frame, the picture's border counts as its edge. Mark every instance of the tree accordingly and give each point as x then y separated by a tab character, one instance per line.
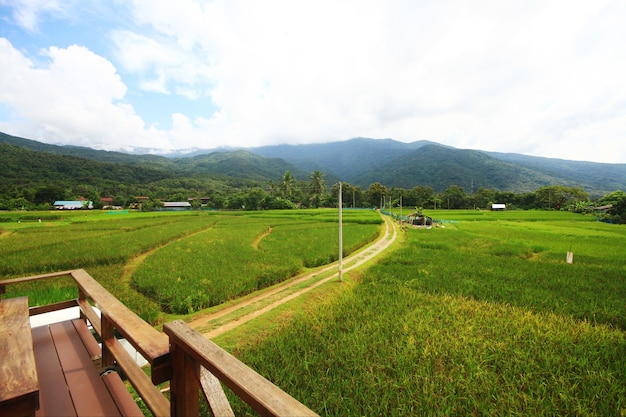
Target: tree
617	199
483	197
317	188
272	186
49	193
287	185
559	196
375	193
454	198
419	196
352	194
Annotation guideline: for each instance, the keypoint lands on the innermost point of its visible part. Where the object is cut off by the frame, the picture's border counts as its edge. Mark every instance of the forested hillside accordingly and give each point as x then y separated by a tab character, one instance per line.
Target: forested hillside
363	161
372	171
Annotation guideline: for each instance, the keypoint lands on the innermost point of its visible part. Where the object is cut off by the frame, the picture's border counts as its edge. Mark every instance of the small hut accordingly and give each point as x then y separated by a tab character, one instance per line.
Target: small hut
418	219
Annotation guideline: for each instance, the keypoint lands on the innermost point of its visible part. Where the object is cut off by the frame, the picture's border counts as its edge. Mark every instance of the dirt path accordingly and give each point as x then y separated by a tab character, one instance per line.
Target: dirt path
349	263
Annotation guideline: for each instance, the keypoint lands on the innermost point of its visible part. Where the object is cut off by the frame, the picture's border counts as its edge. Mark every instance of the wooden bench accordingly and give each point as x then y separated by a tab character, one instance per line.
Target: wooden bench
19	389
70	382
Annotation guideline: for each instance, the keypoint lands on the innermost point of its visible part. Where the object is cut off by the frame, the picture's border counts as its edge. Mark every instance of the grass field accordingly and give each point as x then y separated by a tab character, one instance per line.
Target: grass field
173	262
480	317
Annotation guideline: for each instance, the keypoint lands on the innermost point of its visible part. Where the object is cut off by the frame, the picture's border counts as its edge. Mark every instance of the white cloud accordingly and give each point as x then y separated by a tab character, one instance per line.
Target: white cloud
27	12
76	99
537	77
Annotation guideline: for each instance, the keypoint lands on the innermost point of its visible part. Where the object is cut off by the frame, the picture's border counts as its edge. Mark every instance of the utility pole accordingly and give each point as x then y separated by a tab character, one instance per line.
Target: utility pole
340	234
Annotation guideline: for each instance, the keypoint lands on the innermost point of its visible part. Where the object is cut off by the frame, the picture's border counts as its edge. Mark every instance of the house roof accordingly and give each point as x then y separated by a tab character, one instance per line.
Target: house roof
68	203
72	203
177	204
606	207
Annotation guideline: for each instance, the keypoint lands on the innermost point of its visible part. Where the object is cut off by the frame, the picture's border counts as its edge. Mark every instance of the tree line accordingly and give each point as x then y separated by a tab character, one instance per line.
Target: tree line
287	193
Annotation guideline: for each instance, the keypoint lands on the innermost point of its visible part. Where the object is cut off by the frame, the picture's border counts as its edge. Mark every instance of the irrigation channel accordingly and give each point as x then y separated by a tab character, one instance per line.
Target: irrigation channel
249	308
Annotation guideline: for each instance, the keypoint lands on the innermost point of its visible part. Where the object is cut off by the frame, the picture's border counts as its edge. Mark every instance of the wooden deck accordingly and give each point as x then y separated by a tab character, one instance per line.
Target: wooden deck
56	369
67	356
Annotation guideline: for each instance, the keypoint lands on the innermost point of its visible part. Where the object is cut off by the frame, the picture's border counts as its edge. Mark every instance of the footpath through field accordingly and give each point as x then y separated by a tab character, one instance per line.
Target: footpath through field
215	324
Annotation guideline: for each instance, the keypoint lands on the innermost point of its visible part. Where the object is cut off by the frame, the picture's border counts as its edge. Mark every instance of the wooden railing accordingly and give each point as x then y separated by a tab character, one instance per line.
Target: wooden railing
191	362
192	352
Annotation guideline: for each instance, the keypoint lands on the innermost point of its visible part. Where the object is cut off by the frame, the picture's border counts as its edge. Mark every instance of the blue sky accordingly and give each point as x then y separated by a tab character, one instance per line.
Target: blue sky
533	77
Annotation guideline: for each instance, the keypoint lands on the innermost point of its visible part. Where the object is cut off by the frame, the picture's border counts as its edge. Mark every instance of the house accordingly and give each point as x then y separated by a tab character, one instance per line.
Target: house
498	207
72	205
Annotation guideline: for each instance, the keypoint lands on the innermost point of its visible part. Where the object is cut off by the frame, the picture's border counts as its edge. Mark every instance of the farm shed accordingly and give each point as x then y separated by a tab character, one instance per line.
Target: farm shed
603	209
498	206
72	205
418	219
177	205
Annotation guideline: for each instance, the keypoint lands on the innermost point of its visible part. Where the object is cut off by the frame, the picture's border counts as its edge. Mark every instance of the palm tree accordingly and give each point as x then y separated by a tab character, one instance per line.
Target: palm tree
288	184
317	187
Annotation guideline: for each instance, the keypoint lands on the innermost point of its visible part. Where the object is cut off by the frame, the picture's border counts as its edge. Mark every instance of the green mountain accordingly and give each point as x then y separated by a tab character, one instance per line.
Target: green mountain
83	152
239	164
363	161
440	167
24	166
359	161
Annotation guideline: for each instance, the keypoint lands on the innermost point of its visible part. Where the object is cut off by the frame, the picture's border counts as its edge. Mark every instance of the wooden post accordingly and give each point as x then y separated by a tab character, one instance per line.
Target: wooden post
570	258
185	384
108	333
340	272
82	297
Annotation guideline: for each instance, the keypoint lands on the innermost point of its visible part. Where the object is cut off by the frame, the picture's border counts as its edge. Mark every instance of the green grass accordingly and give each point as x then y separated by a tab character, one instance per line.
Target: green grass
472	319
182	262
241	254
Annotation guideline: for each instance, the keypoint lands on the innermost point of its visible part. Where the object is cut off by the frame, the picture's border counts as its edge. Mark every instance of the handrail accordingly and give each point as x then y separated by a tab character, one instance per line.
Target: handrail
182	355
115	316
191	350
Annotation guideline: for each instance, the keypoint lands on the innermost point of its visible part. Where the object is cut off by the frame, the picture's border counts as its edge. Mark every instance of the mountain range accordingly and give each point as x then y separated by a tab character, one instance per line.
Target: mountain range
358	161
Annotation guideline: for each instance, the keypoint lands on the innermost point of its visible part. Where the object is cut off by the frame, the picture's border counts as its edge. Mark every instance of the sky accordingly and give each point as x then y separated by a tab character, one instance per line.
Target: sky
541	78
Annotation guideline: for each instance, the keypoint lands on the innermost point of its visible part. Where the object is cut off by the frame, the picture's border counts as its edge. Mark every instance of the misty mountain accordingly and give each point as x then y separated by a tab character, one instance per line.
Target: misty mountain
345	159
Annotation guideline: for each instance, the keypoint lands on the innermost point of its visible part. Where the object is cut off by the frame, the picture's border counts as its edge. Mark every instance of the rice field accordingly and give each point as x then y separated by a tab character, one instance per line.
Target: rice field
483	316
182	262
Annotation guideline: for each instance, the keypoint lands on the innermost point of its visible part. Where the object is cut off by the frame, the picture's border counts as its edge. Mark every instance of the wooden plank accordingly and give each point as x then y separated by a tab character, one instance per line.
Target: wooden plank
91	315
35	277
54	397
265	397
214	394
19	391
52	307
89	394
154	399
